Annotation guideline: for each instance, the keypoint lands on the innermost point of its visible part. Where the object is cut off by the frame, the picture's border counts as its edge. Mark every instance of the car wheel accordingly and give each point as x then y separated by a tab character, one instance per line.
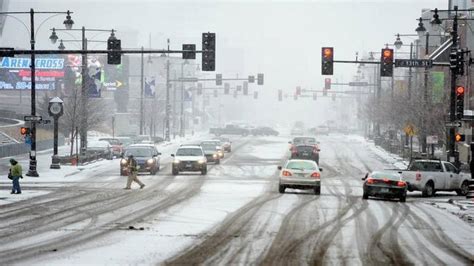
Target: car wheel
365	196
281	189
463	190
403	198
175	171
317	190
428	191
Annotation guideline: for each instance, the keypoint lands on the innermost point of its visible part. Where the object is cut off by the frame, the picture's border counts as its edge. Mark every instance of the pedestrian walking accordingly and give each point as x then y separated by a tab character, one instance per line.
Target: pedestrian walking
132	173
15	175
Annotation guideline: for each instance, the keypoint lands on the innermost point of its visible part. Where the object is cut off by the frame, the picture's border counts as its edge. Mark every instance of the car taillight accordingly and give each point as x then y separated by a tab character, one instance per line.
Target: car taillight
418	176
316	175
386	180
286	173
401	183
370	181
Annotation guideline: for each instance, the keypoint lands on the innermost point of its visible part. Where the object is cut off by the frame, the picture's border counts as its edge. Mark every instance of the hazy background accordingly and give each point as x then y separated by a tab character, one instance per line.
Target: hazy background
282	39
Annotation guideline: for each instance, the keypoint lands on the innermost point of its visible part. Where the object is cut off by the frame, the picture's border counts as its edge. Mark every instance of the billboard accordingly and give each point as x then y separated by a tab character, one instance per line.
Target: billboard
15	73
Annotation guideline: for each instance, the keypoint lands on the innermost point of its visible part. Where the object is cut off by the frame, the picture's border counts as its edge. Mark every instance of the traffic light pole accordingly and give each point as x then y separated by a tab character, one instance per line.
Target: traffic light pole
452	107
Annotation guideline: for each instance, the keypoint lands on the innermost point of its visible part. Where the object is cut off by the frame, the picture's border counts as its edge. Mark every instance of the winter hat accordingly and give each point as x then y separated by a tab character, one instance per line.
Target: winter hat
12	161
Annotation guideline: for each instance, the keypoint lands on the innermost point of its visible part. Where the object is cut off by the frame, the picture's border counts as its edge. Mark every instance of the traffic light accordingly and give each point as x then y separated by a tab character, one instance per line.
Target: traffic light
460	62
226	88
459	137
260	79
298	90
315	96
453	59
215	93
246	88
208	51
280	95
251	79
327	61
460	90
218	79
199	89
113	56
386	64
25	131
327	83
255	94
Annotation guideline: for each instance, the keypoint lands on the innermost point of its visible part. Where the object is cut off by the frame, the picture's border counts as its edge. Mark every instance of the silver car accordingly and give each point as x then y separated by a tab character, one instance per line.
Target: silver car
300	174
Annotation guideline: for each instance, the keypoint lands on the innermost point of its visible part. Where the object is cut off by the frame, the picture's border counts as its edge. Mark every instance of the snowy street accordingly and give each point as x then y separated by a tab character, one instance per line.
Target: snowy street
233	215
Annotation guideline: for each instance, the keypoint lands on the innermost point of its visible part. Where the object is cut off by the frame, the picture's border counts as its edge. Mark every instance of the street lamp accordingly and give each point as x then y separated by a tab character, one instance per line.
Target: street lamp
398	43
61	46
420	30
435	21
68	23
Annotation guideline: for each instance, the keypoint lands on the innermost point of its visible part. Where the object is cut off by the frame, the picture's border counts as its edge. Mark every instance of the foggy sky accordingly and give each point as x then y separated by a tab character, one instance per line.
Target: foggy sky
282	39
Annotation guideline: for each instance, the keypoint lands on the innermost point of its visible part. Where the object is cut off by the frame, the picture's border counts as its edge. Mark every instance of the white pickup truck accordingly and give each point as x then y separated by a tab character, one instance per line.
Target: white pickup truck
429	176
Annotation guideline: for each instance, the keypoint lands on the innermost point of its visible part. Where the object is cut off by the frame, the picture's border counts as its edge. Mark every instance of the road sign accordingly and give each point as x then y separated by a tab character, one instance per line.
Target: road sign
44	121
358	83
413	63
32	118
431	139
453	124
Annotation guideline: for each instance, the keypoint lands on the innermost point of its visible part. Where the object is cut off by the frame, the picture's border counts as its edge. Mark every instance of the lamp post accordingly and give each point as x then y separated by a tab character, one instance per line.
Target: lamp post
84	78
55	110
68	22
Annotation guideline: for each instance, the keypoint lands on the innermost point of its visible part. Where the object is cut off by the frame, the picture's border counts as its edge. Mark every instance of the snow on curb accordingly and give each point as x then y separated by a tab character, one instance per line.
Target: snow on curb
464	209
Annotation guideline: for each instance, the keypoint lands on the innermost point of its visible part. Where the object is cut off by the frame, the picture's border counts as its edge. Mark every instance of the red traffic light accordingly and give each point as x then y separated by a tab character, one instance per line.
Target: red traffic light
387	52
327	52
24	131
459	137
460	90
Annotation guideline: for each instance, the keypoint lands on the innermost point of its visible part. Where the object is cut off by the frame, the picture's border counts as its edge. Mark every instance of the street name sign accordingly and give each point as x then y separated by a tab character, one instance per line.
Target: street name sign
413	63
32	118
453	124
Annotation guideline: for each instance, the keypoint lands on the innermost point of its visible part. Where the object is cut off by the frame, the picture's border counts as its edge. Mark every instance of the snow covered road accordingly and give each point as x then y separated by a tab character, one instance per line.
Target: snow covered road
234	215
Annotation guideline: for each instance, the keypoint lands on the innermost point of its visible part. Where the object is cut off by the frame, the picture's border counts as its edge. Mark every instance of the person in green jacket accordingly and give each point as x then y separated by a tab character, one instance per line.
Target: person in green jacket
16	174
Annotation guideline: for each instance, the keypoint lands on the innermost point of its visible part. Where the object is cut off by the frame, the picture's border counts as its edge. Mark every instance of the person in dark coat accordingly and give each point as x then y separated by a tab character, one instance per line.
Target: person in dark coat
16	174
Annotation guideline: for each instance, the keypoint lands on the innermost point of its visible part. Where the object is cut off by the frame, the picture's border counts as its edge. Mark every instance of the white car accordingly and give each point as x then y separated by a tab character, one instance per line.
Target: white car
101	146
300	174
189	158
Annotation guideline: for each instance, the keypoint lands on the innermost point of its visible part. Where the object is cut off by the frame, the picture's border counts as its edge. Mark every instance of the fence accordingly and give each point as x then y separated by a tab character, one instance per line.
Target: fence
23	148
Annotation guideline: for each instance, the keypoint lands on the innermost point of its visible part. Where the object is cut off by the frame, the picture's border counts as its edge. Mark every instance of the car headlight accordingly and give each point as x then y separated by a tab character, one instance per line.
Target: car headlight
123	162
201	161
176	161
214	155
150	161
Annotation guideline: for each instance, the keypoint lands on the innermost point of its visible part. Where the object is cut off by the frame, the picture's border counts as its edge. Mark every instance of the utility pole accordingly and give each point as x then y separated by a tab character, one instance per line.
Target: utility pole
85	77
168	106
426	100
141	93
181	116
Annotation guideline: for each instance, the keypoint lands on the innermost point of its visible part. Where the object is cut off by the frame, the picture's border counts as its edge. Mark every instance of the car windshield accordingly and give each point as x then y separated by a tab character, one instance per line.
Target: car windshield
139	152
301	165
189	152
112	141
208	146
382	175
304	141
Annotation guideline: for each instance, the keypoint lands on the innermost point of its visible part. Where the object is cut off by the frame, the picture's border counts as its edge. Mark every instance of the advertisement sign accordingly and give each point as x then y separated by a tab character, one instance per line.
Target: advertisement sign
15	73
